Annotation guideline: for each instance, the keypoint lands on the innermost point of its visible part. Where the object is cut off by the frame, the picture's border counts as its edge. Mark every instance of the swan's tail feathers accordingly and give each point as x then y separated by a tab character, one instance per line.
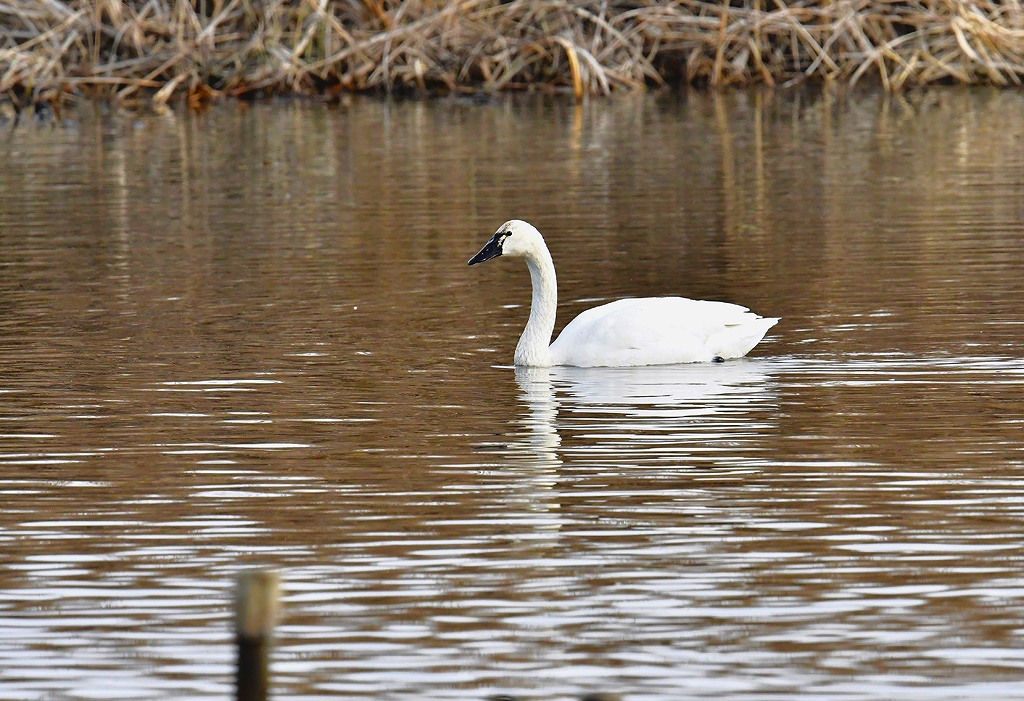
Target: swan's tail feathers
736	340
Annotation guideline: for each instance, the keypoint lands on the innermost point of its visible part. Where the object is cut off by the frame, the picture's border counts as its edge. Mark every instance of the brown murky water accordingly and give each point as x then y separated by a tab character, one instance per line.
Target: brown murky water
249	337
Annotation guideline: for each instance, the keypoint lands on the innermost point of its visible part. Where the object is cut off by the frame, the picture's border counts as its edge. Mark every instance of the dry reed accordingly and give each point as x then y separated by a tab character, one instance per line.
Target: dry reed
158	49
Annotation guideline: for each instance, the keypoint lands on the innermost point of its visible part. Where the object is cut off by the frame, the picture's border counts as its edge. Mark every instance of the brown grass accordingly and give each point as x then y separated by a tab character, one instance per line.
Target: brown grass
160	49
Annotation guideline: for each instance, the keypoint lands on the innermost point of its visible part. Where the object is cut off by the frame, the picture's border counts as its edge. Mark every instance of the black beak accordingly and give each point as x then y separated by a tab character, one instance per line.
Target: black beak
491	249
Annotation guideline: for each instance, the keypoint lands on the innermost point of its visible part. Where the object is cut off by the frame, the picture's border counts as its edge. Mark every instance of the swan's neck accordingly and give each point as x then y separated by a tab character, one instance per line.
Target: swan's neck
532	349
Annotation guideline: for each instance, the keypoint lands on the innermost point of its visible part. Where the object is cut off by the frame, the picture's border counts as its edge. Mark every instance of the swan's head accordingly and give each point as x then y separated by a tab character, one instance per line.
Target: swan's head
513	238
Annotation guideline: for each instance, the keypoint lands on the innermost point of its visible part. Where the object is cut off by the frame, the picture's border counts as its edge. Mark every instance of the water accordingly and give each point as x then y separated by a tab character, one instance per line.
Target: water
248	337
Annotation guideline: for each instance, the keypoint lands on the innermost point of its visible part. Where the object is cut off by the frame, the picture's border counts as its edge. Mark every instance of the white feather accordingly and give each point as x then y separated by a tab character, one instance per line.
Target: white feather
627	332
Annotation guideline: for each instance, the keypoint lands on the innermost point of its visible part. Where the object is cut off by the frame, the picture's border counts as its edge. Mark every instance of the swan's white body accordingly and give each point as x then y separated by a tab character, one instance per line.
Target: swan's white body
628	332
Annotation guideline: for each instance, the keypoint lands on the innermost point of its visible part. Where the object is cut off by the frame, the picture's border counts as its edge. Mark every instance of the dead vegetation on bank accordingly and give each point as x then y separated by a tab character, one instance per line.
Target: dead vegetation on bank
154	50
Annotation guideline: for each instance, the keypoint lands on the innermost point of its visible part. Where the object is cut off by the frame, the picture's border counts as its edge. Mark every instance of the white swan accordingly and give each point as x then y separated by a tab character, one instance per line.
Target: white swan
628	332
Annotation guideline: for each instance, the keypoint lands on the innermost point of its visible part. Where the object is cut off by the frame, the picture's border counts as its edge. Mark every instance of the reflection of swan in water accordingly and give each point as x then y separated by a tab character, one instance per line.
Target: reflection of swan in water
615	428
679	415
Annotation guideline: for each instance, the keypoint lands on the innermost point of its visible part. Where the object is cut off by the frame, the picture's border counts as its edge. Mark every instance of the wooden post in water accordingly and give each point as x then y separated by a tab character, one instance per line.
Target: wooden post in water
256	607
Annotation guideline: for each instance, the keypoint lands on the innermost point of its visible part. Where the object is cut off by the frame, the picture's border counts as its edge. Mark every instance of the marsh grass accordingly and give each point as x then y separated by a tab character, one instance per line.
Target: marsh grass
155	50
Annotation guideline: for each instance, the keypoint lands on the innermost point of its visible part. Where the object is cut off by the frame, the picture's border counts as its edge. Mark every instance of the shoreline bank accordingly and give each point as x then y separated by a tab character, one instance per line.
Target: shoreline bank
134	51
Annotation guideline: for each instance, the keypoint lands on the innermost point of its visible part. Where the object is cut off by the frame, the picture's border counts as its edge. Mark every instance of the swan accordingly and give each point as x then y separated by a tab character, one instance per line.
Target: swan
627	332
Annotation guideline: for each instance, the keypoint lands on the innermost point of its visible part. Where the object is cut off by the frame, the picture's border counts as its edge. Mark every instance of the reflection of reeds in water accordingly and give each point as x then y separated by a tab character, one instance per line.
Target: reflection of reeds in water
206	47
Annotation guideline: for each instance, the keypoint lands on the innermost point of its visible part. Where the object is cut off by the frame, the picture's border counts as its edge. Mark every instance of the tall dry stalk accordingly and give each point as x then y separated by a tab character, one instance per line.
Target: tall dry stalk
200	48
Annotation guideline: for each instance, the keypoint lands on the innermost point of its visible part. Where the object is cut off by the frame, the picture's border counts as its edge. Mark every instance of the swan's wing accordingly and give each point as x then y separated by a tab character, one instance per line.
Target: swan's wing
659	330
